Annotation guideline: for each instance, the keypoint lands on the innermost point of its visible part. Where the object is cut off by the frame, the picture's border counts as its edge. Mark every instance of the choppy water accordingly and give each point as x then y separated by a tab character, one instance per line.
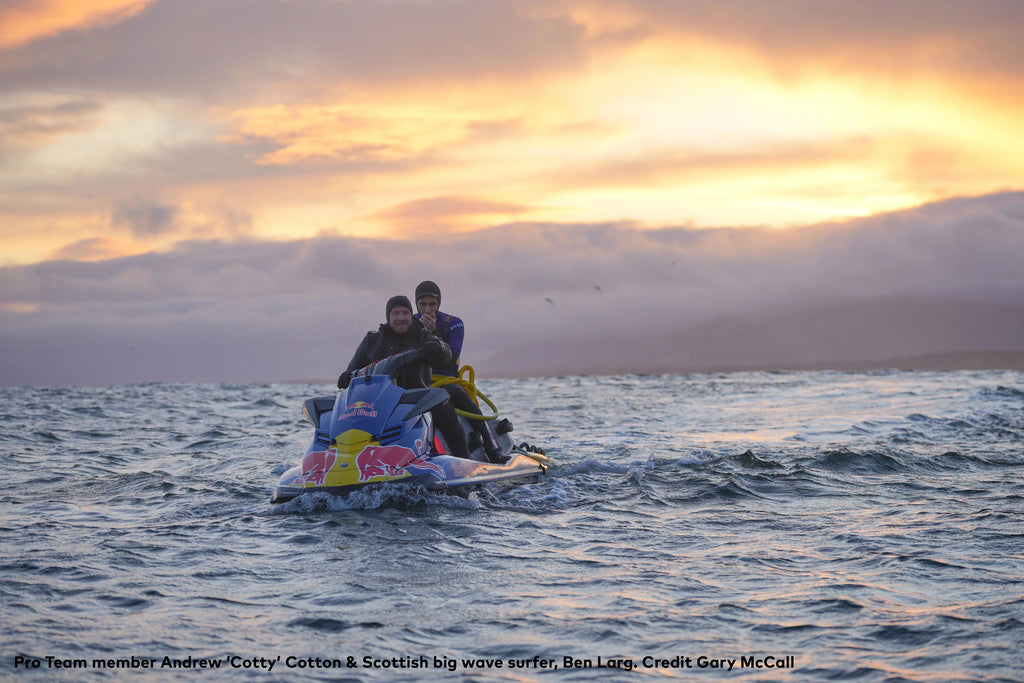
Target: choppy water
867	525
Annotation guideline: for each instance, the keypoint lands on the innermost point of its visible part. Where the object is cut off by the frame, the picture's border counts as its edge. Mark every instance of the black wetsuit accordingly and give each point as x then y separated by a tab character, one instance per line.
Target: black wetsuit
384	342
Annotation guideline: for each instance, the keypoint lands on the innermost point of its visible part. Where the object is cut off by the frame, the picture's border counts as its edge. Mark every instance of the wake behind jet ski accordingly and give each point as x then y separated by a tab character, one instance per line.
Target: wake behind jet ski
376	432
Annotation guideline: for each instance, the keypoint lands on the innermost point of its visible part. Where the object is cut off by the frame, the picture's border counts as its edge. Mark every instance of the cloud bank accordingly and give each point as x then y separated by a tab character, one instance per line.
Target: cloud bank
538	298
127	126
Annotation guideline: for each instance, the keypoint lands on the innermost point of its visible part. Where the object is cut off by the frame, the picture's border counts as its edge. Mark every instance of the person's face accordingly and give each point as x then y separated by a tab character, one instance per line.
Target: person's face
426	304
400	319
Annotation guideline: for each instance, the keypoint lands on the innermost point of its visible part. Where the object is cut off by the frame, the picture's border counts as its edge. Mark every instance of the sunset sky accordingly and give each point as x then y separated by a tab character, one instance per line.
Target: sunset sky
137	135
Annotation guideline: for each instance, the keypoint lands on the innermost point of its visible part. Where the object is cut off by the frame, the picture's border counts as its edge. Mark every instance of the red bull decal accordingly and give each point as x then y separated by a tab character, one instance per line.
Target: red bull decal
391	461
359	408
315	467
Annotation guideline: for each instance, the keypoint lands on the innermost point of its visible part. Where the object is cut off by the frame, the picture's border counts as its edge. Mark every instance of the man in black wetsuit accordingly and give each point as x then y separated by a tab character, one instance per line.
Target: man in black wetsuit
401	333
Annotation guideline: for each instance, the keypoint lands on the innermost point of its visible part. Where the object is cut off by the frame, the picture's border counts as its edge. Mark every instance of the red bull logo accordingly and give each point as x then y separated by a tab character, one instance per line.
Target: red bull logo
391	461
360	409
315	467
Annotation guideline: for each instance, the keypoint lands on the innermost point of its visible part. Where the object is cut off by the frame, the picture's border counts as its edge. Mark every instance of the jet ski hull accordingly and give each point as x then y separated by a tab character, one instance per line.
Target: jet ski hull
455	474
376	432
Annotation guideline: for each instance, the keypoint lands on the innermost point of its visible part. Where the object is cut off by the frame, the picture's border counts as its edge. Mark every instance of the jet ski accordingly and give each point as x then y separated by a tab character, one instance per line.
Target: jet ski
376	432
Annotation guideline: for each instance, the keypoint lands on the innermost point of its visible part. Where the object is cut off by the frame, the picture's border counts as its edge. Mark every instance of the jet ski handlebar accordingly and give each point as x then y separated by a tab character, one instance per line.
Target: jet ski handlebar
390	365
402	366
408	369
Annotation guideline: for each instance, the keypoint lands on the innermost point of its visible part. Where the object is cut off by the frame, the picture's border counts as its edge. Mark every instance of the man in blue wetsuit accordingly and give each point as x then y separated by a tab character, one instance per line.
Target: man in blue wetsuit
451	330
447	327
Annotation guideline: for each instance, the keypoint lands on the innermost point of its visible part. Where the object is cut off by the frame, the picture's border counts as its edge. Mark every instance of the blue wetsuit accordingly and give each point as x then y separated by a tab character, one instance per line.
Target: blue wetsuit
451	331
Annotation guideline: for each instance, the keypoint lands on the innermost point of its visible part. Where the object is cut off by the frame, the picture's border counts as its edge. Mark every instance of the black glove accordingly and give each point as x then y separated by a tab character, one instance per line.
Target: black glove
435	352
345	379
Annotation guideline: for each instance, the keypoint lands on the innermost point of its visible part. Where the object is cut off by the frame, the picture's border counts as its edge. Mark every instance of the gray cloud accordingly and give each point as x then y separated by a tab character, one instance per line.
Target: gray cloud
536	298
193	47
259	48
145	218
25	126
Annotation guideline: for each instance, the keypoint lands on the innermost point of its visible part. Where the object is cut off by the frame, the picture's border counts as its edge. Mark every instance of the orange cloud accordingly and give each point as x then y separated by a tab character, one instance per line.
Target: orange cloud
24	21
365	132
97	249
383	119
448	212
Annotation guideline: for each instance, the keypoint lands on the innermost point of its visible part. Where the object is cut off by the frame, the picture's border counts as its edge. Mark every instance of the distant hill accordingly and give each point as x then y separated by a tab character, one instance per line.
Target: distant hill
908	334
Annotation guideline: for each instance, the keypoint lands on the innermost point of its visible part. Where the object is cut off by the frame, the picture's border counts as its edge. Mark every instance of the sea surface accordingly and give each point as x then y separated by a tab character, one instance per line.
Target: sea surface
802	526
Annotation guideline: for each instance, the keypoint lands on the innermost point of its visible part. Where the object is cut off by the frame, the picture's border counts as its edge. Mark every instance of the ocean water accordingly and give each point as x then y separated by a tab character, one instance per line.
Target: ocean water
805	526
